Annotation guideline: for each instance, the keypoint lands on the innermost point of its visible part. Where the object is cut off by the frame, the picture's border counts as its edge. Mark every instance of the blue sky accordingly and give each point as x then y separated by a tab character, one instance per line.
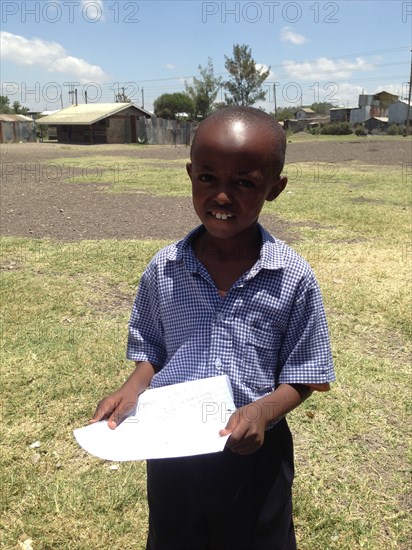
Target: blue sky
316	51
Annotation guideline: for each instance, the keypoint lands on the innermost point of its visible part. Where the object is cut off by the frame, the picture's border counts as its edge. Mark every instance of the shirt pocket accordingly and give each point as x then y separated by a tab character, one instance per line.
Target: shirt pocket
260	358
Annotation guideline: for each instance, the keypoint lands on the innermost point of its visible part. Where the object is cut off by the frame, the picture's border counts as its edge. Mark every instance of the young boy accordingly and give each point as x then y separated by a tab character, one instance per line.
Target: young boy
229	299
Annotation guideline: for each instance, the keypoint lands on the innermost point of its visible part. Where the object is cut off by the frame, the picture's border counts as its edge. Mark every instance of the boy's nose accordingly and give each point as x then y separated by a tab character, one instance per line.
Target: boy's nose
223	194
223	197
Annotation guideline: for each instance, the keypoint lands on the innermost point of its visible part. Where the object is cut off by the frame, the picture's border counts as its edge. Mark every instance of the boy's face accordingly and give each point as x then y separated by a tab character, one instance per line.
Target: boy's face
233	173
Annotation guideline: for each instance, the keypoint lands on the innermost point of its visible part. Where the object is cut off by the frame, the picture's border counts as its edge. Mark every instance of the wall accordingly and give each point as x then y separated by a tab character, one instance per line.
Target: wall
160	131
397	113
16	131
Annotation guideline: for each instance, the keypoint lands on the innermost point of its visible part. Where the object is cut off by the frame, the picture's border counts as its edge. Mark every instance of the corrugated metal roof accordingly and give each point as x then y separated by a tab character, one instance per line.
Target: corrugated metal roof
306	110
380	118
48	113
15	118
85	114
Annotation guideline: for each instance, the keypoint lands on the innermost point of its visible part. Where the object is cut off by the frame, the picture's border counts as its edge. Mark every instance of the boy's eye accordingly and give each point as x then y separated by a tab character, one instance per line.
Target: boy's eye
205	177
246	183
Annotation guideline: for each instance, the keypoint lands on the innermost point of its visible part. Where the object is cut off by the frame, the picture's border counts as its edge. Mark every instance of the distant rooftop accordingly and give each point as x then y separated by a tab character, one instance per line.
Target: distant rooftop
87	114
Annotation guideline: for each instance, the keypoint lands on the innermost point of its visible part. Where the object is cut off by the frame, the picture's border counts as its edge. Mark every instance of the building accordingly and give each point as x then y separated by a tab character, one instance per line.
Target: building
371	106
398	112
300	125
97	123
16	129
339	114
376	123
304	113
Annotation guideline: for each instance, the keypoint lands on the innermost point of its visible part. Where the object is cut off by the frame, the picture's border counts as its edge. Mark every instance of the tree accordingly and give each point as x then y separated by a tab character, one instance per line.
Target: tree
284	113
322	108
245	84
19	109
16	109
169	105
5	105
203	92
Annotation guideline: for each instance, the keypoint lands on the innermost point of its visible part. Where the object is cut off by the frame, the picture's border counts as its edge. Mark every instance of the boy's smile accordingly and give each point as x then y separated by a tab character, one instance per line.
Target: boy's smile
233	172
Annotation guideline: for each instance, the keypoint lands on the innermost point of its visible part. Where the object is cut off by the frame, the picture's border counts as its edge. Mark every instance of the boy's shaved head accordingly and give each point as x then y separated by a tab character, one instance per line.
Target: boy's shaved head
249	117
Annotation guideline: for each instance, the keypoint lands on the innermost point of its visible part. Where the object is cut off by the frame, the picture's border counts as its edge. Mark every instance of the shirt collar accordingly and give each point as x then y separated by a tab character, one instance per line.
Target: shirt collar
271	252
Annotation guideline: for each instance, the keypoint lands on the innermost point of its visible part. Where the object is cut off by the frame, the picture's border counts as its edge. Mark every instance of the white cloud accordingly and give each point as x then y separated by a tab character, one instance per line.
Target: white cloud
50	56
287	35
261	68
93	10
344	95
324	68
169	66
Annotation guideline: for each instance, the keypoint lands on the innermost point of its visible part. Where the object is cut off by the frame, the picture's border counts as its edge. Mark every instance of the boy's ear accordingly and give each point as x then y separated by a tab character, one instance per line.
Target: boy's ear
189	169
277	188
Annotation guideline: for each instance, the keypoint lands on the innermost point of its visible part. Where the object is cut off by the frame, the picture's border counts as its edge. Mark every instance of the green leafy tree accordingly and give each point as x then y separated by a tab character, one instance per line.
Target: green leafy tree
15	109
245	84
204	90
322	108
219	105
5	105
284	113
170	105
18	109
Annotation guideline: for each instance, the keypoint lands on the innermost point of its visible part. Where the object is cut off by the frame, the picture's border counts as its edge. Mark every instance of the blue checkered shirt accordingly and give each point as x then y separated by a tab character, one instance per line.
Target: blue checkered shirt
269	329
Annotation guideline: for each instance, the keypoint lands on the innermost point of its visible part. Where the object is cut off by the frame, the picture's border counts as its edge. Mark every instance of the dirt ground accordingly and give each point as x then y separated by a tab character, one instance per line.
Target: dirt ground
36	206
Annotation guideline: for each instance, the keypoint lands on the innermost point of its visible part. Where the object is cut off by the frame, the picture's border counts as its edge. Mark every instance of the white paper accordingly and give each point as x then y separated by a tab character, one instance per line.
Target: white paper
178	420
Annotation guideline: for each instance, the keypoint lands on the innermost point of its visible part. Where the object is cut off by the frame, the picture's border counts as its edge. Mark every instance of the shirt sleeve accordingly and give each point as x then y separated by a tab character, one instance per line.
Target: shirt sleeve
145	340
305	355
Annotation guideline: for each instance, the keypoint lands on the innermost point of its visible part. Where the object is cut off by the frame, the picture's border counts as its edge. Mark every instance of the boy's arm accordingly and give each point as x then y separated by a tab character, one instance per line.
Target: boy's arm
116	406
247	425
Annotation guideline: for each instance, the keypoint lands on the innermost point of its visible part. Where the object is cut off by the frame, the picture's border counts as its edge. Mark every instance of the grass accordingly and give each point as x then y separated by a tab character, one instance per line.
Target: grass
64	319
119	174
306	137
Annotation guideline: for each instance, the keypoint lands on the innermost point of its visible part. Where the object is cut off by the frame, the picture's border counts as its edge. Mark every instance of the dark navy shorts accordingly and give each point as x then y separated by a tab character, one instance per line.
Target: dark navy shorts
224	501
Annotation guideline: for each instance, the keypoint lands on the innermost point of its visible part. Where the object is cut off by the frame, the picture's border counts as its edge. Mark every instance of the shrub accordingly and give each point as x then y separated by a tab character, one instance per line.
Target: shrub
361	130
396	130
314	130
337	129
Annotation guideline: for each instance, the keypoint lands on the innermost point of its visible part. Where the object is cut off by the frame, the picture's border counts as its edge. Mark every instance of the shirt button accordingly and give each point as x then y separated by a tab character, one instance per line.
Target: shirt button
219	317
218	363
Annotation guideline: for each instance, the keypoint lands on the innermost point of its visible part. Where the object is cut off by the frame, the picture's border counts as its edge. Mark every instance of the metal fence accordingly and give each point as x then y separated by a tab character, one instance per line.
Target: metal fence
159	131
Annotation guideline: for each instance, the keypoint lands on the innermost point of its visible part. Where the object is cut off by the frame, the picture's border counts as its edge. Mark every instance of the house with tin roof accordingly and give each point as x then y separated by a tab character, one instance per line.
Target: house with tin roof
304	113
16	128
94	123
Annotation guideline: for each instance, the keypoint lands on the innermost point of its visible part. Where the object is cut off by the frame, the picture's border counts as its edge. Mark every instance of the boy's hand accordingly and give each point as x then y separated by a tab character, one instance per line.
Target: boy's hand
115	407
247	429
247	425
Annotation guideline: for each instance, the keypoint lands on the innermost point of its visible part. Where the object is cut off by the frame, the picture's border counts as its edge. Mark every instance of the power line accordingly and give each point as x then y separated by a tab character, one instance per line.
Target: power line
375	52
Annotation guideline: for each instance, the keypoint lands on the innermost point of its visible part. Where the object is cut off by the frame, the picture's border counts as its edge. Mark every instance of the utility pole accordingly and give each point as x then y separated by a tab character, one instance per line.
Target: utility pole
408	116
142	98
274	96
